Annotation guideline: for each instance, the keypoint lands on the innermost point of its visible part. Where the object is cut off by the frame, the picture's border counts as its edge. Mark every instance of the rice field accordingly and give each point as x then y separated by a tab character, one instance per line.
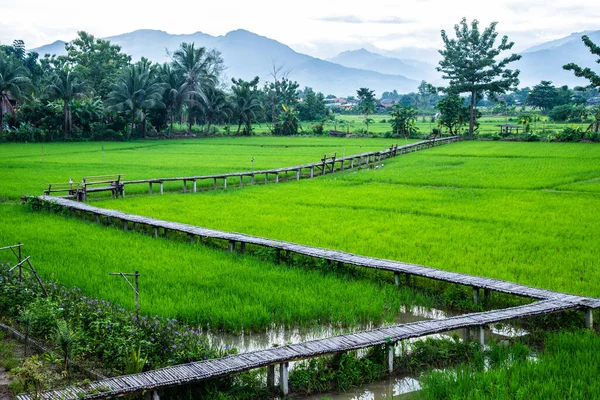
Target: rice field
27	169
505	210
203	286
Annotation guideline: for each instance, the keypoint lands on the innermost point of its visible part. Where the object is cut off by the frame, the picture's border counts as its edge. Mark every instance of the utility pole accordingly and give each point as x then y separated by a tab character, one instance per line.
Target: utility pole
135	288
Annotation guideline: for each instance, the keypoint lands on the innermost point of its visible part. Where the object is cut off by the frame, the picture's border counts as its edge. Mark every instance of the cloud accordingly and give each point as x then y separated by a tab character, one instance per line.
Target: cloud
352	19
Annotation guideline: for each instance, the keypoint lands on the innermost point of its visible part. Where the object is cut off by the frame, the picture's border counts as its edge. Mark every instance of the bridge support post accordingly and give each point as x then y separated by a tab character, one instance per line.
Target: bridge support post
298	175
242	247
482	335
214	183
397	279
475	294
152	395
231	246
225	183
161	188
276	177
589	318
184	186
277	256
390	358
467	334
150	187
155	232
270	377
192	237
252	179
312	171
283	378
125	225
97	218
194	187
241	180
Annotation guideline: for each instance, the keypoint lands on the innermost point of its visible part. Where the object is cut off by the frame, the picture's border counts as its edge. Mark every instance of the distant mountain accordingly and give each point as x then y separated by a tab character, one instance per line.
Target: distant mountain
248	55
427	55
57	48
545	61
365	59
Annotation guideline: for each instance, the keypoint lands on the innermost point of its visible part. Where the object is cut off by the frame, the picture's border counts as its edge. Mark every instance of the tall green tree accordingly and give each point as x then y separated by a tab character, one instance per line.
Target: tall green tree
590	75
546	96
14	82
469	64
245	103
66	85
366	103
134	93
313	107
97	61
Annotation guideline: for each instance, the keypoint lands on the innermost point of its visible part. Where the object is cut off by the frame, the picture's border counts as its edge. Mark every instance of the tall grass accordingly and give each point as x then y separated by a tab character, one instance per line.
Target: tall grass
507	226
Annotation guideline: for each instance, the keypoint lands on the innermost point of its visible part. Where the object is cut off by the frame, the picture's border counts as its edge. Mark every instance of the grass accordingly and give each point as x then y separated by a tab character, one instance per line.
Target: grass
491	209
568	368
27	169
195	283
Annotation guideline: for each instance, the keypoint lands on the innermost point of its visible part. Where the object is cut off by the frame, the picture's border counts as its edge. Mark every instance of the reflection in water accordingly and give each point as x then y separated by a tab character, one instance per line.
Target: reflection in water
391	388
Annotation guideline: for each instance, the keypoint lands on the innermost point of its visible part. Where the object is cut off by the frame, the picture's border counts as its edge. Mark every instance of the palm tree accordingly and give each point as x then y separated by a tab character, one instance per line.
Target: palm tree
245	102
196	65
13	83
66	85
214	105
134	92
176	91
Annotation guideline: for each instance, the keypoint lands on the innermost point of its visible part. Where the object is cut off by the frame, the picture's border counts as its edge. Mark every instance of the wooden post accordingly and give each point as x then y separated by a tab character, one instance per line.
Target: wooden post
276	177
475	294
298	175
192	237
150	187
312	171
184	186
482	335
352	163
20	267
277	256
242	247
266	177
342	165
589	318
467	333
155	232
486	295
225	183
241	180
214	183
231	246
97	218
161	188
252	179
283	378
390	358
397	279
194	187
125	225
270	377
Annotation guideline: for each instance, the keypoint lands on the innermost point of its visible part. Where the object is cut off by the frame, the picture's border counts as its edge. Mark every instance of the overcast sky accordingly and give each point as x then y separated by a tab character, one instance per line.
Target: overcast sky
305	25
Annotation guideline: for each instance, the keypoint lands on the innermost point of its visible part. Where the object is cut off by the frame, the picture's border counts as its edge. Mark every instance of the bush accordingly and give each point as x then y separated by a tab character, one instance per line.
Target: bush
561	113
568	134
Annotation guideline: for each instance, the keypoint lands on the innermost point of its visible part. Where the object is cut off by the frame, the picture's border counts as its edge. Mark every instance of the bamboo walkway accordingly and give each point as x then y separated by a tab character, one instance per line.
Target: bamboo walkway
327	165
152	381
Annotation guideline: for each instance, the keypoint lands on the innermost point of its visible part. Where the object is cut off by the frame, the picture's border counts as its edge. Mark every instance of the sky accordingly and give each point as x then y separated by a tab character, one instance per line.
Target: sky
317	27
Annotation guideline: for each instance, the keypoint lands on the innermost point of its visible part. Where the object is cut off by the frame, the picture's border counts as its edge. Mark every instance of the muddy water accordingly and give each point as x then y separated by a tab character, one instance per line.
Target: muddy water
399	387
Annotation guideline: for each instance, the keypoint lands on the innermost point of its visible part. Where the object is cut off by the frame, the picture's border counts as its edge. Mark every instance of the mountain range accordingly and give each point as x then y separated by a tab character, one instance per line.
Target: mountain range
247	54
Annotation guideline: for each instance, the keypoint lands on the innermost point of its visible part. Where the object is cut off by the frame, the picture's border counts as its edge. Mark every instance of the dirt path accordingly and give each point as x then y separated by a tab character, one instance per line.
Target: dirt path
4	381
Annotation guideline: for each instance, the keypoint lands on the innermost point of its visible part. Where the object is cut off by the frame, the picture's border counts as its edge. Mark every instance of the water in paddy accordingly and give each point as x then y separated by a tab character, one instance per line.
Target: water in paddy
398	387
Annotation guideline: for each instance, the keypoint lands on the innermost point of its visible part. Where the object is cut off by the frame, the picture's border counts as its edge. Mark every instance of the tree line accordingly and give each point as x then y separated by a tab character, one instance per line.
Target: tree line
94	91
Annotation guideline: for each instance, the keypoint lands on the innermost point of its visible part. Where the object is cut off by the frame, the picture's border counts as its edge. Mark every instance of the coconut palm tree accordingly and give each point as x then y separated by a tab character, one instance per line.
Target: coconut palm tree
176	91
14	82
245	102
197	67
214	105
65	84
135	91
